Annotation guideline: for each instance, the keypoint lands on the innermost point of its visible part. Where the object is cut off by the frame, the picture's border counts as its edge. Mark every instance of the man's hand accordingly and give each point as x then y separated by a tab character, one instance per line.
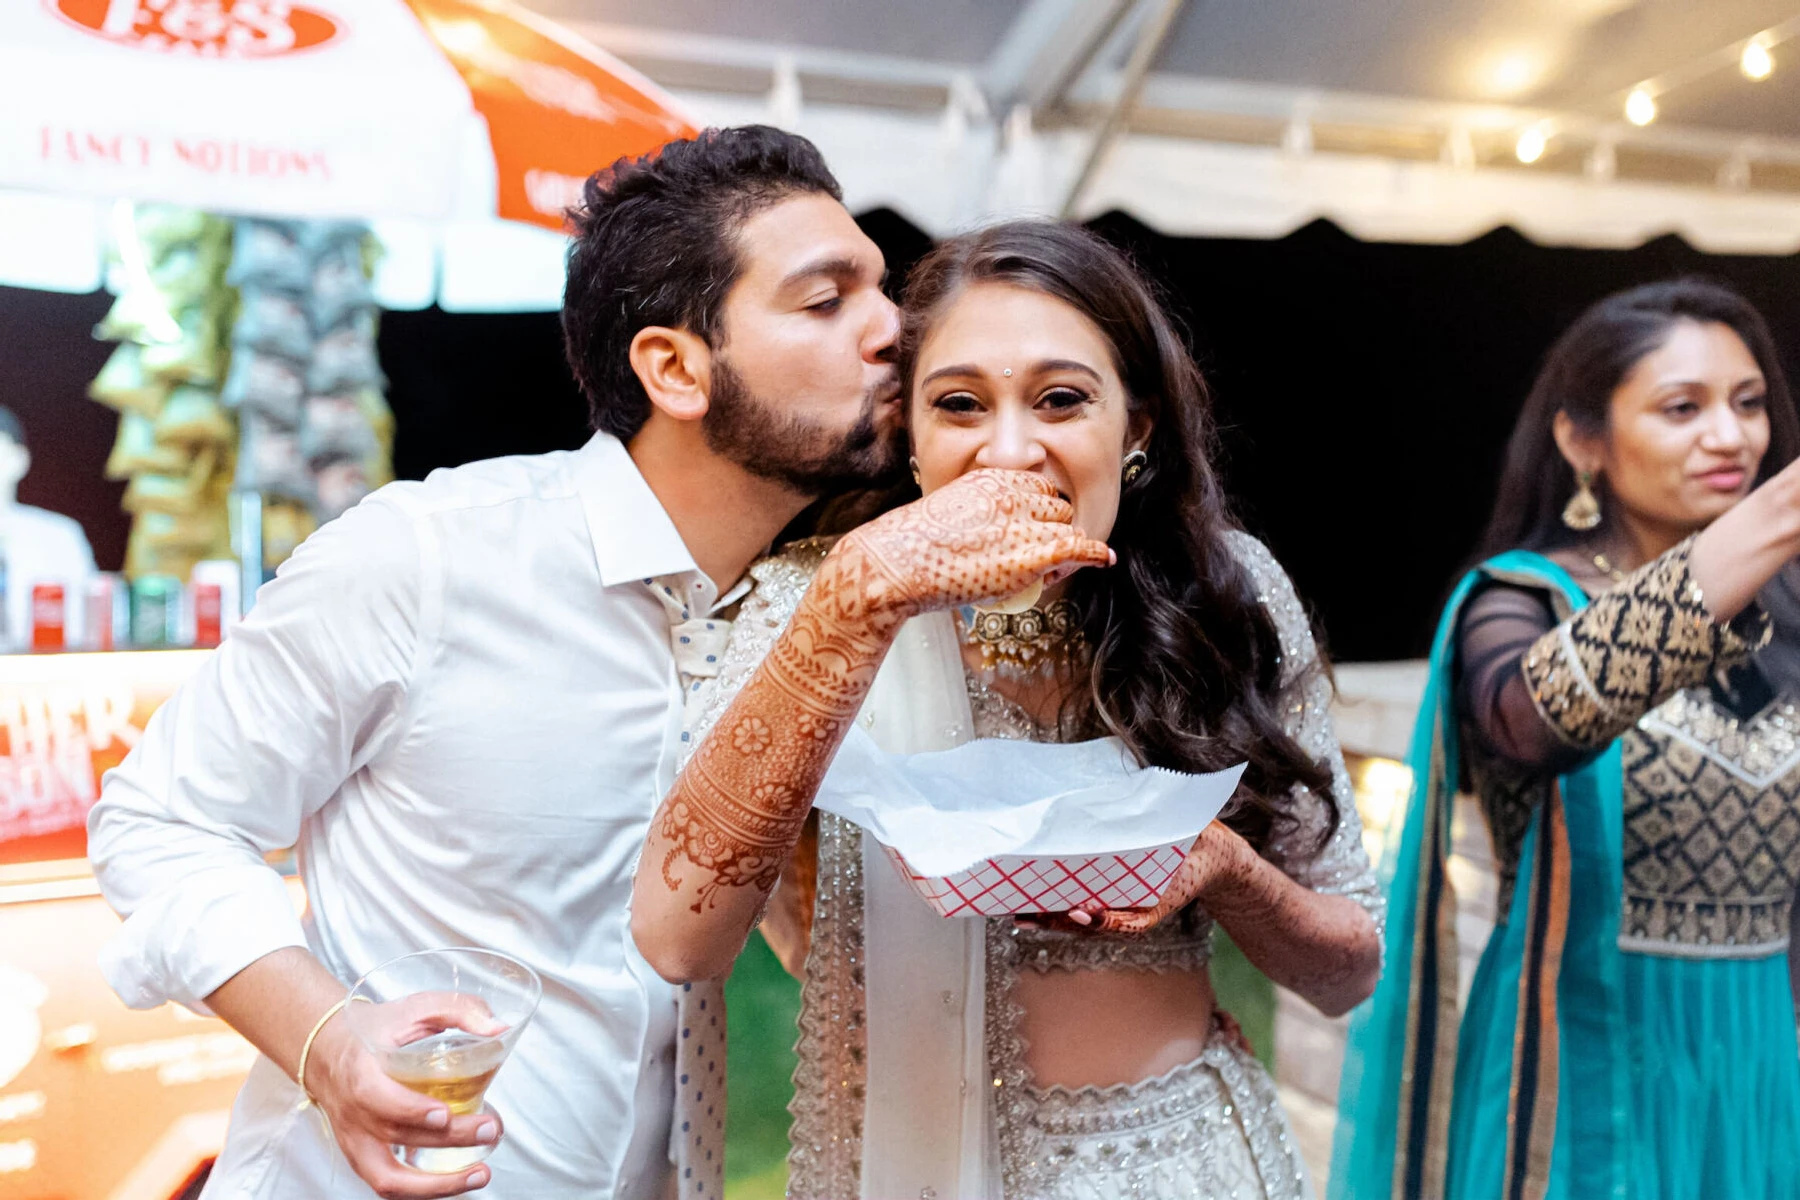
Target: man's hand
984	536
369	1113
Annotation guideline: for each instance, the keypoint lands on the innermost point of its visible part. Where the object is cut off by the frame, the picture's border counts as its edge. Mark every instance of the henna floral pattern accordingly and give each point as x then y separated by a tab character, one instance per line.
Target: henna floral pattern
738	807
751	736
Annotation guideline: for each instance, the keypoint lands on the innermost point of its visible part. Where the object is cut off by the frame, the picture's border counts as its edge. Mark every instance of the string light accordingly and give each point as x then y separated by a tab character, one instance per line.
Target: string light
1756	62
1531	145
1640	106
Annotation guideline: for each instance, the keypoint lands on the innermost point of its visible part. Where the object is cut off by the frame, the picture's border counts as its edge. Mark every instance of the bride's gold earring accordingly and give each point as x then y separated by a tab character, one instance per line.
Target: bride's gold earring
1582	512
914	464
1134	464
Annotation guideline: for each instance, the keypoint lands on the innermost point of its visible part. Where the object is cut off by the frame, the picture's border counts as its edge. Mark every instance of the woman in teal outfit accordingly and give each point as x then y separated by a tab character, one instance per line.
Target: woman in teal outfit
1617	684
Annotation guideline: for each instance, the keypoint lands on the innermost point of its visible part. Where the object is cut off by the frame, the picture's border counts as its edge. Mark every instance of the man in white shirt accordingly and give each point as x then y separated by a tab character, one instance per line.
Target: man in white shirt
464	699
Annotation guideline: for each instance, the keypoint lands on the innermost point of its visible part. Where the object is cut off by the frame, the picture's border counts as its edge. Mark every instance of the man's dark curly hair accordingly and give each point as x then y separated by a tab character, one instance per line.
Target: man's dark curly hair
656	244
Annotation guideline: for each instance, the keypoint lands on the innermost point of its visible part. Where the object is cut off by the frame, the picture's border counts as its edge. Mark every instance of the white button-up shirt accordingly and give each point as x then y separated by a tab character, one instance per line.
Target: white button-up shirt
459	701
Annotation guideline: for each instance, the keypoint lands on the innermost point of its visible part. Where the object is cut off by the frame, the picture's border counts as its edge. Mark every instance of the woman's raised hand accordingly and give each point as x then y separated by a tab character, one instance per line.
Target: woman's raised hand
985	535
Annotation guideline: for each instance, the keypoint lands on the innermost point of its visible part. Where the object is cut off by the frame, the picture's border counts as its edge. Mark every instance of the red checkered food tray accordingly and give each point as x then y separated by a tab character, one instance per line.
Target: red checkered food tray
997	887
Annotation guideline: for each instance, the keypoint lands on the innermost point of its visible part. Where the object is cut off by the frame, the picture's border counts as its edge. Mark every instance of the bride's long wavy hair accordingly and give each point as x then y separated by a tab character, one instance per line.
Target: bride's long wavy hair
1187	665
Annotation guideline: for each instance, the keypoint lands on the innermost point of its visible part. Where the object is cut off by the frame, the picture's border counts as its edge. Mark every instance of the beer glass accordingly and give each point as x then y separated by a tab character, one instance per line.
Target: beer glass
441	1022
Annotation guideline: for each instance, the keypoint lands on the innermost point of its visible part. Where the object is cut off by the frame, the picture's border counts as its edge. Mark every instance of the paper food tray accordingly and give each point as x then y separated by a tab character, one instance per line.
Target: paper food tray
1002	886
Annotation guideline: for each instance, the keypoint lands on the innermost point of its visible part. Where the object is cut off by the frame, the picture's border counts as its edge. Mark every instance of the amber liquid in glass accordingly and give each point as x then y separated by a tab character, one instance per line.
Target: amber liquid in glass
453	1066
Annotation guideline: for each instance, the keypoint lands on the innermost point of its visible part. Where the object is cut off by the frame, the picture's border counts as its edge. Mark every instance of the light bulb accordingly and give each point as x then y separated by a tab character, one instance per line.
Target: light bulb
1640	107
1756	62
1530	146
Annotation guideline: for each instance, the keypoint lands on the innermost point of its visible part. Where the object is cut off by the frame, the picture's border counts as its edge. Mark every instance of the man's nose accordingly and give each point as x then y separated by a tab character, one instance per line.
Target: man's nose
883	342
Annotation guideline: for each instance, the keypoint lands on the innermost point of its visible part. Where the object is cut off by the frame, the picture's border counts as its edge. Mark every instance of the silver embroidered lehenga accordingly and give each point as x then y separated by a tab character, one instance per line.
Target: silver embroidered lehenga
1212	1127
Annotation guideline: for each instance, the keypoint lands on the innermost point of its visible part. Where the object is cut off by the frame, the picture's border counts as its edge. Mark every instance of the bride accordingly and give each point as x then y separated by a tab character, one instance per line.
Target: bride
1060	434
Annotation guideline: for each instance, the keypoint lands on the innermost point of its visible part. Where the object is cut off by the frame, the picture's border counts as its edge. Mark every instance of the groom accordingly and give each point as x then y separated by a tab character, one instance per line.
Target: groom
464	699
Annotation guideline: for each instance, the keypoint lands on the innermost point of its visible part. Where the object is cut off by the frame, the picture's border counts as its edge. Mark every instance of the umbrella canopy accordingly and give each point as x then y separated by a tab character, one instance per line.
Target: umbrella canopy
423	109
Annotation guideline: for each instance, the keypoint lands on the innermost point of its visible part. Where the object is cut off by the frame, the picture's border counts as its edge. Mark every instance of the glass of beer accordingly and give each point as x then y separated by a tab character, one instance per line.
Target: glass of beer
441	1022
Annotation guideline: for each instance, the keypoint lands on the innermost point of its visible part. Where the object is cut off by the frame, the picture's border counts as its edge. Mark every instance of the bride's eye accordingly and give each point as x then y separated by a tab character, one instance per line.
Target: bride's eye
1063	399
957	403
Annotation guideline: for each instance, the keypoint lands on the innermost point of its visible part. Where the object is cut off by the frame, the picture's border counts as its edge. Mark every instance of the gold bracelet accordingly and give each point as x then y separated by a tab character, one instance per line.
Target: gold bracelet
306	1050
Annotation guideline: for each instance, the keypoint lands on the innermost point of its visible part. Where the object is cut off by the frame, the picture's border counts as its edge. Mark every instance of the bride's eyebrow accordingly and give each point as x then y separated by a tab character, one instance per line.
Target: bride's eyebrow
1042	367
959	371
1066	364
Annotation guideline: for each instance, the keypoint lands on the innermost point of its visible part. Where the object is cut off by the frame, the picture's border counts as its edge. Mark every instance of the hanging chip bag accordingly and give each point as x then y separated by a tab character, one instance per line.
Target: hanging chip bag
136	449
194	415
268	254
124	385
269	385
273	323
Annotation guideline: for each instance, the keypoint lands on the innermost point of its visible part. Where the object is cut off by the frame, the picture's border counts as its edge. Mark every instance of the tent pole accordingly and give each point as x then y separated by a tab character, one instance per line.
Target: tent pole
1137	69
1050	44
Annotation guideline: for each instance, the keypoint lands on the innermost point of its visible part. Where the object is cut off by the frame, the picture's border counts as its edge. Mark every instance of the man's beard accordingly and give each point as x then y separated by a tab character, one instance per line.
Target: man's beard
795	451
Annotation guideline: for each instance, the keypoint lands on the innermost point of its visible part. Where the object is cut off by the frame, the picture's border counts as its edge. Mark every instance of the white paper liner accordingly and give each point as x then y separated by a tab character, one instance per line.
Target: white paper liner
947	811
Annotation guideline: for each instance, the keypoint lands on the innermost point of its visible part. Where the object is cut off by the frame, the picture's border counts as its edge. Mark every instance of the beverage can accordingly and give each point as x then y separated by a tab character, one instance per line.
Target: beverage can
209	614
227	575
107	609
155	611
49	615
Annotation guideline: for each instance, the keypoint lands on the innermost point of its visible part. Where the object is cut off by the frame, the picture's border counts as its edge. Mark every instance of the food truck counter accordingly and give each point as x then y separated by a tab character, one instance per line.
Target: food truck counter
97	1102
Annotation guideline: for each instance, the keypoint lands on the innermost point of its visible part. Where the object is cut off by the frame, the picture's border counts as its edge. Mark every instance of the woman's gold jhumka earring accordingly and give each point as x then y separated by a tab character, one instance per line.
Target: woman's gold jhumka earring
914	464
1135	462
1582	512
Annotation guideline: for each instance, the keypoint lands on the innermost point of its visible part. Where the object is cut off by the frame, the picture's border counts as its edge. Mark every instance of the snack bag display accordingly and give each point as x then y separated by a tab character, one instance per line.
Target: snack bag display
246	362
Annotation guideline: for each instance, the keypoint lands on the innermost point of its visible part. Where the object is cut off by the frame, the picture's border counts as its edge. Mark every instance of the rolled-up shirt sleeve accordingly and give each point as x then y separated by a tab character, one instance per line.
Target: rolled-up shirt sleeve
300	697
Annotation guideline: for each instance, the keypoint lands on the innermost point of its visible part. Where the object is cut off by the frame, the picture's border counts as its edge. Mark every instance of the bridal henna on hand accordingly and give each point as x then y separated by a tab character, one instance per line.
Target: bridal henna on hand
1313	943
737	809
1216	853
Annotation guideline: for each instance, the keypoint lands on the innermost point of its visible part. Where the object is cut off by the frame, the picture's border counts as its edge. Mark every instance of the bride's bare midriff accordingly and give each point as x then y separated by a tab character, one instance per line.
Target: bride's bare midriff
1099	1028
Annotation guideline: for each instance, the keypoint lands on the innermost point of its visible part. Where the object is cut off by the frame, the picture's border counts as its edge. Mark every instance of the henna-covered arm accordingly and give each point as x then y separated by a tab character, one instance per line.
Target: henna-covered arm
788	918
1325	947
1314	925
727	829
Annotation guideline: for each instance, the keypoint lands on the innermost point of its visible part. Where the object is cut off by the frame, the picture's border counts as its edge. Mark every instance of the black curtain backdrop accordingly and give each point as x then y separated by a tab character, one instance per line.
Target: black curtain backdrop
1364	391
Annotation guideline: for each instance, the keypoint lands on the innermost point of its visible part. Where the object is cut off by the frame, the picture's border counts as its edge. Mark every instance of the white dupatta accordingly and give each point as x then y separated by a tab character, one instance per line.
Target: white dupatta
926	1129
892	1095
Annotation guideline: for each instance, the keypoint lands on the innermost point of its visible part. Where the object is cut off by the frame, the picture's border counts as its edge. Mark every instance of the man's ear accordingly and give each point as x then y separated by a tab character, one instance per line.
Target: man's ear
675	367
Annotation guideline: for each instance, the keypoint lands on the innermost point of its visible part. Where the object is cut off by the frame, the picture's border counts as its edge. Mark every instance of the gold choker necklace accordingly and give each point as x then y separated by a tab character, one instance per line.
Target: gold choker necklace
1027	643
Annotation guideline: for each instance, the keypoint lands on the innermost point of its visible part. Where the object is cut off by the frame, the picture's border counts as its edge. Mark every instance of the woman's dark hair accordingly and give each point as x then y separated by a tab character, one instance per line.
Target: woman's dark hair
1187	665
656	244
1583	370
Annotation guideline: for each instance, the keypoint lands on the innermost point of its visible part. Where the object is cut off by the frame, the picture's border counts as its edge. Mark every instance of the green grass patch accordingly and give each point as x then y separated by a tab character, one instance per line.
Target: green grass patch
762	1002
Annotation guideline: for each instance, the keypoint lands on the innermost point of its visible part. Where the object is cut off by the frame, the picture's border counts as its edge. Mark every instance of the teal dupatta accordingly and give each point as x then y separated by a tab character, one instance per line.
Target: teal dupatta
1428	1110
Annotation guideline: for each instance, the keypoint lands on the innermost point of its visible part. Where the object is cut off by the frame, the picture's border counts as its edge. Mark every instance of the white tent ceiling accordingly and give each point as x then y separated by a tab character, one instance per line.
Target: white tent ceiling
1397	119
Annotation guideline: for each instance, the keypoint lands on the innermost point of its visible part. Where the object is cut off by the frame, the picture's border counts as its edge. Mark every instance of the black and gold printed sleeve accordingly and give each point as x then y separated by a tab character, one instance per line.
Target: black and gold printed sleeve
1594	675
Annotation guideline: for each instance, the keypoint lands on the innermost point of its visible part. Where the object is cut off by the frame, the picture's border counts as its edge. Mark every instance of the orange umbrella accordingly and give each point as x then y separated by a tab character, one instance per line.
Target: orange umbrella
404	108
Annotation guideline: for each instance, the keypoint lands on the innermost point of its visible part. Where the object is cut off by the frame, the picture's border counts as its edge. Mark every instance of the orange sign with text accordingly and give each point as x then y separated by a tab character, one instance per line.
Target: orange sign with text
208	28
65	720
